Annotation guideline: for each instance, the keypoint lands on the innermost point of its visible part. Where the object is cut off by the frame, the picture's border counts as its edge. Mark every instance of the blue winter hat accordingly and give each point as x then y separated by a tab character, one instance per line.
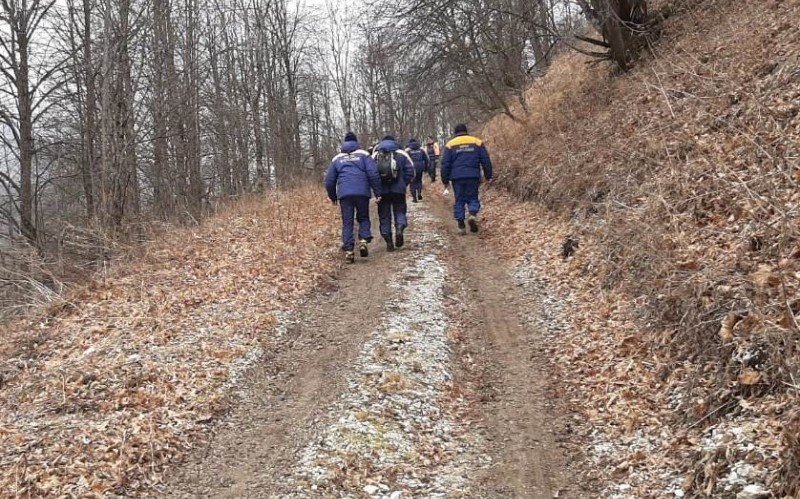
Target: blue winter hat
460	128
350	137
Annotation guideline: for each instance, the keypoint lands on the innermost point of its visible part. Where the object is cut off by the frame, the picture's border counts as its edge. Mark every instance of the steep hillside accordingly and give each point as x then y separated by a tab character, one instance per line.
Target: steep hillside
679	181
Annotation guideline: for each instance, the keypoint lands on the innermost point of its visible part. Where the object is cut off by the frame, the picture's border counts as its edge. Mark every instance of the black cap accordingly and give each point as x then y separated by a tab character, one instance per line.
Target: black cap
350	137
388	137
460	128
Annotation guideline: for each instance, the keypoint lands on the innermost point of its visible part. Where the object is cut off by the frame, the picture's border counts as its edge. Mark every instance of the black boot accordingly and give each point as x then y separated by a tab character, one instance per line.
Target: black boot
473	222
389	243
399	241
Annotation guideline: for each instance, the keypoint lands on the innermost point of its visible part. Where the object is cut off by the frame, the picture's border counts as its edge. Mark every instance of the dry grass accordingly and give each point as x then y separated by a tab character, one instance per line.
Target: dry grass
682	178
98	395
26	282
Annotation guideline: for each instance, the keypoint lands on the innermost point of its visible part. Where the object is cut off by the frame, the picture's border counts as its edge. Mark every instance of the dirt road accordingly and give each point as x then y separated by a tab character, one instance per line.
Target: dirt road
415	378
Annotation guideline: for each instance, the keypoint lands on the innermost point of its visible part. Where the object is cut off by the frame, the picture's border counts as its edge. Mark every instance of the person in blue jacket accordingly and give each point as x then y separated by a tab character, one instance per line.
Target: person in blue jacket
396	171
422	164
349	179
464	160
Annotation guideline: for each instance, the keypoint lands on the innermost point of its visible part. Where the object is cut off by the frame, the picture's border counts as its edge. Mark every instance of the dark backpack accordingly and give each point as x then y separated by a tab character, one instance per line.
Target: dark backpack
418	158
387	166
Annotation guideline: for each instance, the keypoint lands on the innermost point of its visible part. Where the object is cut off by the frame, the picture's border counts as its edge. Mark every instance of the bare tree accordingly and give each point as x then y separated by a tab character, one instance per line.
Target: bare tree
152	109
119	175
28	89
340	70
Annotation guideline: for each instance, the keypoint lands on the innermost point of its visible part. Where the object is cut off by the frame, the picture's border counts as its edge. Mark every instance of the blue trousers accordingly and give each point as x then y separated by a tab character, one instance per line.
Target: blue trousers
354	208
466	193
416	186
392	204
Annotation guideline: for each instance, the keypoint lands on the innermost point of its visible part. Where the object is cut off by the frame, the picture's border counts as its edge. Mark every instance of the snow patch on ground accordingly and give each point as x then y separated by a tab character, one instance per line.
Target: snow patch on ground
391	433
550	312
284	319
739	439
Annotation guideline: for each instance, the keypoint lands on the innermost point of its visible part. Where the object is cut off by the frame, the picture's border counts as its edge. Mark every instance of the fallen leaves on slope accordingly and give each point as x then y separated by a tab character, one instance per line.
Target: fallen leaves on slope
680	181
629	397
98	397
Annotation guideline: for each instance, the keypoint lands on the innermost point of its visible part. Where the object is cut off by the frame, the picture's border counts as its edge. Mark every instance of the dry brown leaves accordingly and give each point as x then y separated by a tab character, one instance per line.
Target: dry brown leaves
680	180
611	371
99	395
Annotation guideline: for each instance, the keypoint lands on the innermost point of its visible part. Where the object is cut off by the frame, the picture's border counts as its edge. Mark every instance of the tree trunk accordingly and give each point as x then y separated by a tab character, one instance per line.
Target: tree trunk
194	174
26	201
119	154
221	133
84	81
162	198
621	22
90	111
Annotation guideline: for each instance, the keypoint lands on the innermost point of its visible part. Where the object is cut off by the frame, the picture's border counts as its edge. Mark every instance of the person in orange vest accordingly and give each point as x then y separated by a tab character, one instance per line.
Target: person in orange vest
432	148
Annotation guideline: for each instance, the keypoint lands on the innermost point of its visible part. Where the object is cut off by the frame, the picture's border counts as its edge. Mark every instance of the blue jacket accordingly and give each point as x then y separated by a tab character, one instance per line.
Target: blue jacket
352	173
419	157
463	158
404	164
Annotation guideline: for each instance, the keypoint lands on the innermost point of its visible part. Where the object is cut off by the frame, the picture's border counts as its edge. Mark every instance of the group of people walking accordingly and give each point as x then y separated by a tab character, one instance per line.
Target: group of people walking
387	172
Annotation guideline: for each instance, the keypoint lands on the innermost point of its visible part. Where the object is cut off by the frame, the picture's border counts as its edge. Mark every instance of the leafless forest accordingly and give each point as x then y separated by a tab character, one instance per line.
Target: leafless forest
117	114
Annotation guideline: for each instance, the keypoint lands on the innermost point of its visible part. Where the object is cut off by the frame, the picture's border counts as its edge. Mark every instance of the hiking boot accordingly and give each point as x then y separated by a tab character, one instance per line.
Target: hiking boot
473	223
350	257
389	244
399	241
363	250
419	196
414	200
462	228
